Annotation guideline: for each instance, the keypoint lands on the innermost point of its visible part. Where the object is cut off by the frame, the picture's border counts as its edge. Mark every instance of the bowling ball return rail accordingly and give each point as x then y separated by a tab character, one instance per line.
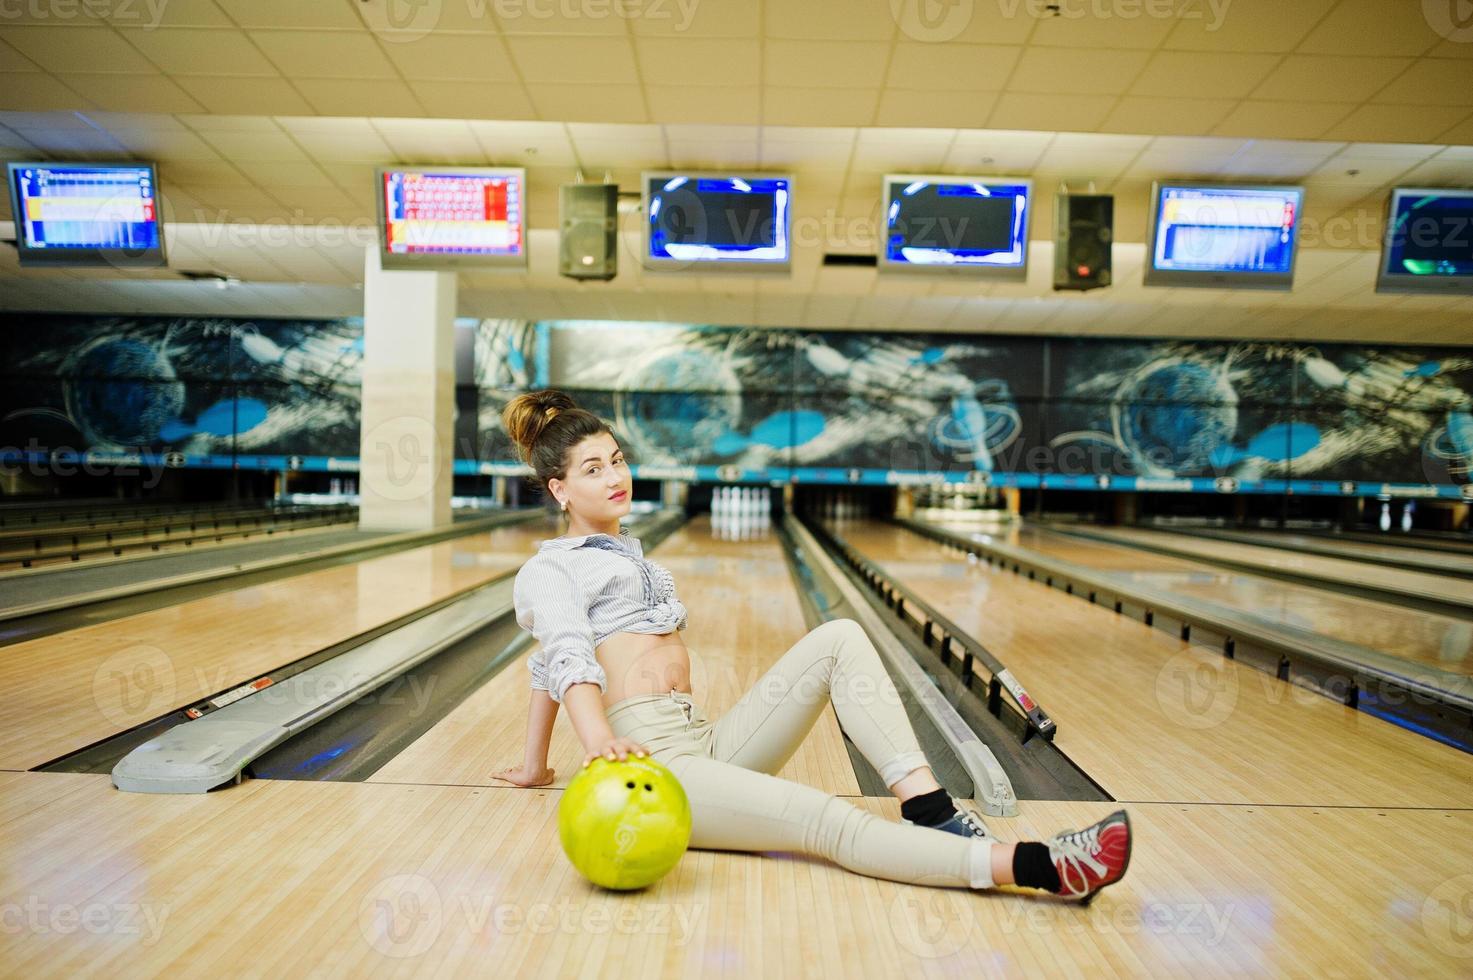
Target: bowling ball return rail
1433	702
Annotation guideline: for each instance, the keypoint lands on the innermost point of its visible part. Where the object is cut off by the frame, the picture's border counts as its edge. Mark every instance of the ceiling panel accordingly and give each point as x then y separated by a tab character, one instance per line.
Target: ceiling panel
902	108
230	95
1372	27
706	18
1273	26
200	52
124	93
733	104
1242	68
483	100
948	67
76	49
680	61
1016	110
823	64
1283	120
273	110
1203	74
843	20
1189	117
1324	78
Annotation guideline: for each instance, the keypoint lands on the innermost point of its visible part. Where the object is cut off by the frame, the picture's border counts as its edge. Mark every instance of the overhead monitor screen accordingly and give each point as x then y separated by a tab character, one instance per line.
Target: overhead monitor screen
1224	236
970	225
433	217
700	222
1429	242
86	214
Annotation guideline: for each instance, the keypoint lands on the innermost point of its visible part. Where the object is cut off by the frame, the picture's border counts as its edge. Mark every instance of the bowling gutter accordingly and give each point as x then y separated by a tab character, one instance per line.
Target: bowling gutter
1359	677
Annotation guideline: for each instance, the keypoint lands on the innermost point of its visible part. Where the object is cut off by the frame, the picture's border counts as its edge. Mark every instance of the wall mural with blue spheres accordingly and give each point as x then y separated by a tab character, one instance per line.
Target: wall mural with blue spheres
737	403
209	390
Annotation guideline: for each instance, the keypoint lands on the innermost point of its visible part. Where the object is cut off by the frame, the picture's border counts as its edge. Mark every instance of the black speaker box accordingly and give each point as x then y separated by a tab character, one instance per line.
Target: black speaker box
588	243
1084	228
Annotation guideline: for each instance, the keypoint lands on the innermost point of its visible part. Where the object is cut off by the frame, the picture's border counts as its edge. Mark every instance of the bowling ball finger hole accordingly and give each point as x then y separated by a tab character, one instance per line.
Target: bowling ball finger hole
630	784
648	788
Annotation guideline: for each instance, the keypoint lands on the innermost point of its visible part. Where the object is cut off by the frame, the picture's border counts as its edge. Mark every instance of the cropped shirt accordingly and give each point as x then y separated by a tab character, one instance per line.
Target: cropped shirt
576	592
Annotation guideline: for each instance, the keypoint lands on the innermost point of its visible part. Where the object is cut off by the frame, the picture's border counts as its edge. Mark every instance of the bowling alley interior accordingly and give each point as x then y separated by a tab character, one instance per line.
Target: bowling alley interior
434	434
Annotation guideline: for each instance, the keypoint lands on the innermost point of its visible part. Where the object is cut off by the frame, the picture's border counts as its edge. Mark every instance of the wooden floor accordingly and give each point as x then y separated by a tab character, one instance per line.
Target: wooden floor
67	690
1151	717
733	635
367	880
1444	642
1423	559
1264	865
1334	571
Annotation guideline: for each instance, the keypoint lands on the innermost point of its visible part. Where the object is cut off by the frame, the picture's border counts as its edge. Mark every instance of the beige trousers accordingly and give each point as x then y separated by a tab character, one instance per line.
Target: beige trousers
727	768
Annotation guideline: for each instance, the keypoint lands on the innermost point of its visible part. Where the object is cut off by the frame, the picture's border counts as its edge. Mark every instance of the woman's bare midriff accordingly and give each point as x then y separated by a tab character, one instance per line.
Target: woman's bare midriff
643	663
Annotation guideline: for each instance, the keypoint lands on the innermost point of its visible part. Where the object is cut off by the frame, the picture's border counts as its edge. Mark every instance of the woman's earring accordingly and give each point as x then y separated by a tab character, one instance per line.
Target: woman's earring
565	505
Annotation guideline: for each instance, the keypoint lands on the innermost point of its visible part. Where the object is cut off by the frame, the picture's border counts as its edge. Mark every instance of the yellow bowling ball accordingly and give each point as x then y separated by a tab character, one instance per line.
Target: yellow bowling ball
623	825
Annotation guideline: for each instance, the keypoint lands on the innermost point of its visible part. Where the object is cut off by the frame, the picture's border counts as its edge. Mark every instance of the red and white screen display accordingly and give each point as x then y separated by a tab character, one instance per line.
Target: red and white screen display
453	213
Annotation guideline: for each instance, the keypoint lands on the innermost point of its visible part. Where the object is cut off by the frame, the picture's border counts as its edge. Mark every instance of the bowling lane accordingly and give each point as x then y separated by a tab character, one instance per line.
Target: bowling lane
65	691
1420	559
1421	637
1332	571
1151	717
742	614
360	879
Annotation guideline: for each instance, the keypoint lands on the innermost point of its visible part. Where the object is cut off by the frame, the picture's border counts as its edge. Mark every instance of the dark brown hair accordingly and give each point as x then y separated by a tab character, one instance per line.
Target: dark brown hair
546	425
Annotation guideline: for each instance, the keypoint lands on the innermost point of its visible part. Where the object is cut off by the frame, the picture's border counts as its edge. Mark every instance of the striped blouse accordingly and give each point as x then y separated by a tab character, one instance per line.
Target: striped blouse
576	592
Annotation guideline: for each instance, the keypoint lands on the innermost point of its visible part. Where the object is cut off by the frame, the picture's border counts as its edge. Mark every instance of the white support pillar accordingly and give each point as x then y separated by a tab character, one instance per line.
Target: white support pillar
407	439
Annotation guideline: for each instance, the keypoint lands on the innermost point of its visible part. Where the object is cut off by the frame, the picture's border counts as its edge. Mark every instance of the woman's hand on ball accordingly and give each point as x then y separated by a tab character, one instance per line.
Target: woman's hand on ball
524	777
616	747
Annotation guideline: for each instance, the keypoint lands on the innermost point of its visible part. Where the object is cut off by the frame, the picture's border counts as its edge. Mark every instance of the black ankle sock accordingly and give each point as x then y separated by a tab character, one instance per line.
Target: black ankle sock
1032	868
928	809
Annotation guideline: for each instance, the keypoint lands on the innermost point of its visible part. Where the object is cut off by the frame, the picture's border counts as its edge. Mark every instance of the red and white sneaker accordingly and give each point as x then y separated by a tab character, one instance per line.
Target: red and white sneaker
1089	859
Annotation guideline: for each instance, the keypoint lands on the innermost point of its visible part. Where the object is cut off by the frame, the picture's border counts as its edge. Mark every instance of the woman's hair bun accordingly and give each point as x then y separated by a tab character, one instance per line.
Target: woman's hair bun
527	416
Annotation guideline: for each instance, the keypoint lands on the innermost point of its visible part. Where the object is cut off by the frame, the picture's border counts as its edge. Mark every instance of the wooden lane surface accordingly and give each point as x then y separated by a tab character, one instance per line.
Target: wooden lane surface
1439	562
67	690
279	878
1337	571
1151	717
742	615
14	572
1426	638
